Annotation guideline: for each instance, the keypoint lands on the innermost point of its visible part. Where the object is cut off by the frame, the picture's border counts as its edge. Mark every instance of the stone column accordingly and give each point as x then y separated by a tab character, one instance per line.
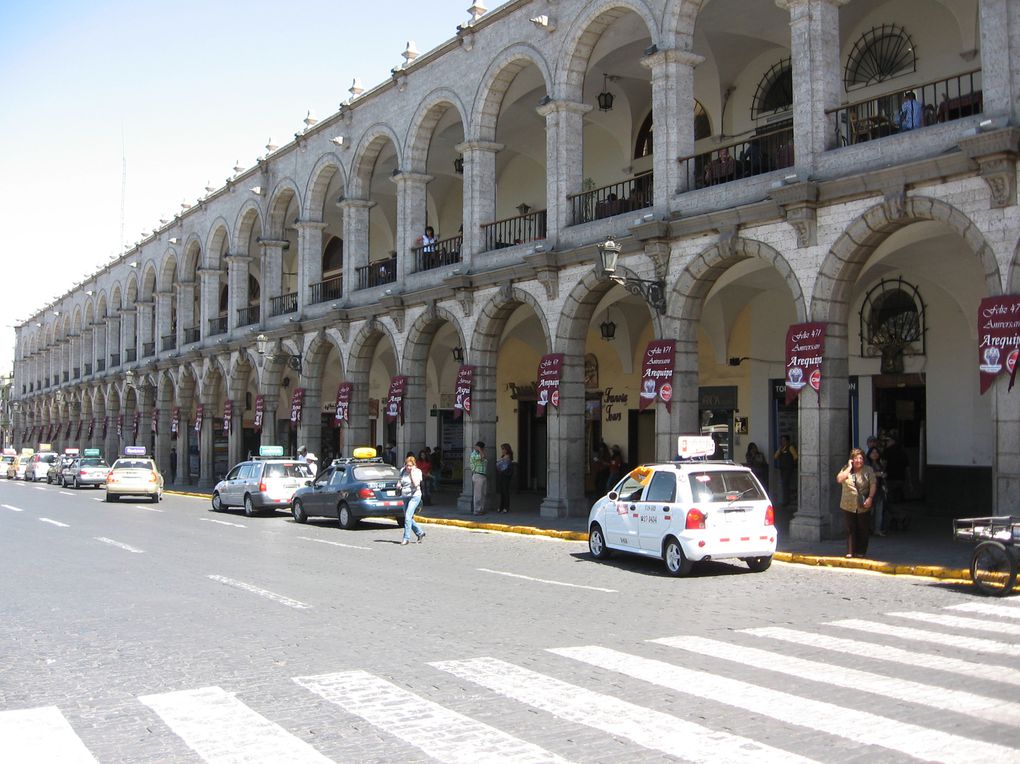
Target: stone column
210	298
113	329
309	431
480	425
235	441
186	318
565	492
128	332
1006	467
479	194
564	160
269	434
163	443
355	241
164	319
357	427
411	437
817	70
237	284
272	273
145	331
411	209
206	478
309	259
673	106
1000	58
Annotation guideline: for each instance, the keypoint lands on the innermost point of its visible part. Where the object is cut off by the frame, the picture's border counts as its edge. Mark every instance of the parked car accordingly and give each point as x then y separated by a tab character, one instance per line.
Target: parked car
57	466
39	466
9	457
351	489
16	469
134	474
265	482
86	471
686	511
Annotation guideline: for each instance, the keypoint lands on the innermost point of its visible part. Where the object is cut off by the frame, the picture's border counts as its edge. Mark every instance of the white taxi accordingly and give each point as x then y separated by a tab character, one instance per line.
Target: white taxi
686	511
134	474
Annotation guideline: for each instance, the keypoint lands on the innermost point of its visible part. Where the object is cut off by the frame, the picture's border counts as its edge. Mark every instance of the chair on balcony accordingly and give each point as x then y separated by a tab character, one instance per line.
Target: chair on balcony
859	130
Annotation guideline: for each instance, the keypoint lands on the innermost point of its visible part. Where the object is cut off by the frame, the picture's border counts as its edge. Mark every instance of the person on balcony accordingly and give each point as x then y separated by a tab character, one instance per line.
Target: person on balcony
721	169
911	115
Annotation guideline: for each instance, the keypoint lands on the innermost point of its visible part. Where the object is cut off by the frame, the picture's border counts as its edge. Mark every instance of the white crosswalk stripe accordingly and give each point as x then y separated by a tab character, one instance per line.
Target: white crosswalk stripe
978	706
973	644
40	735
442	734
889	653
644	726
957	622
859	726
985	608
222	729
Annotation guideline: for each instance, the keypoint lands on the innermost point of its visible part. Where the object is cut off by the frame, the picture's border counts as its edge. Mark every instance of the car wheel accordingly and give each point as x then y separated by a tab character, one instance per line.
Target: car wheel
154	498
758	564
297	509
597	543
217	503
345	519
77	485
110	497
249	508
676	561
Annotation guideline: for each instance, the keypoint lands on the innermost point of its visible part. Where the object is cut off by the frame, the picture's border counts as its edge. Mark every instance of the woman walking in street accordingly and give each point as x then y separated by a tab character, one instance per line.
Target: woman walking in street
410	489
504	476
859	485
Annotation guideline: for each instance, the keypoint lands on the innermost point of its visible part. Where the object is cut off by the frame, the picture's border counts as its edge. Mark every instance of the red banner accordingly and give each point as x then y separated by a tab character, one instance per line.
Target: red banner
462	391
199	416
67	434
135	424
120	425
106	426
998	338
228	414
343	403
805	348
260	409
297	402
549	369
175	422
155	421
395	400
92	428
657	374
77	434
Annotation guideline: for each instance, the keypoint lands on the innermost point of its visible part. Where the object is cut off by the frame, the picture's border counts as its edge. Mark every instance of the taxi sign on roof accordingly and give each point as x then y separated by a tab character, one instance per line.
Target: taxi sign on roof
134	450
695	446
10	452
364	452
45	447
92	452
71	452
270	450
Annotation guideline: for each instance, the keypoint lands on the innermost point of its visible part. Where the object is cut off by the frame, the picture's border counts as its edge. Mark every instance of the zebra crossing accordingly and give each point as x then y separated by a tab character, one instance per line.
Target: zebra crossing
680	695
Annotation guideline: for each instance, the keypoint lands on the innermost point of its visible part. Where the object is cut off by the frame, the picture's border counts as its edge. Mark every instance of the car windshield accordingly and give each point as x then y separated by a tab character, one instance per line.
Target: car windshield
369	472
94	461
724	486
289	469
8	459
133	464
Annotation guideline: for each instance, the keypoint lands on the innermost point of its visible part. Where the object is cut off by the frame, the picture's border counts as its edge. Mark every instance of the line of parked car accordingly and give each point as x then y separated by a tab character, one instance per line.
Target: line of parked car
133	474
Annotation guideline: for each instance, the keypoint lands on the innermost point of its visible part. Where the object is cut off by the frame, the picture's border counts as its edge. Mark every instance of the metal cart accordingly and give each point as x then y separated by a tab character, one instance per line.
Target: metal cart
993	566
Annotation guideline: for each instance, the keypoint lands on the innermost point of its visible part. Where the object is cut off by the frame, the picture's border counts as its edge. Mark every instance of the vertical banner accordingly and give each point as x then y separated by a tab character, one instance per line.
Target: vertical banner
137	422
395	401
228	414
106	427
175	422
67	434
998	338
120	426
657	374
155	421
92	428
462	392
199	416
297	401
77	434
549	369
805	348
260	409
343	403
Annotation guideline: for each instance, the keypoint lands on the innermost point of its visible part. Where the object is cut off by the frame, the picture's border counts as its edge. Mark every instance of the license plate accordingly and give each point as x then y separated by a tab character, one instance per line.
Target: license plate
391	493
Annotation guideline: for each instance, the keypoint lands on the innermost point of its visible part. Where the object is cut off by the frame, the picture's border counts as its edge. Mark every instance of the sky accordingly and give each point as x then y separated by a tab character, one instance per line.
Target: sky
160	99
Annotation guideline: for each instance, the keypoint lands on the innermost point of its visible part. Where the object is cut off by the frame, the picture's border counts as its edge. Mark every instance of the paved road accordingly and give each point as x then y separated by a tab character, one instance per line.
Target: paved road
133	632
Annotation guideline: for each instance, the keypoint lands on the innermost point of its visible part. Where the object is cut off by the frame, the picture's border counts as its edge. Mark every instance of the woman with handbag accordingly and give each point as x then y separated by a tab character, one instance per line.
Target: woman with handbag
859	486
410	489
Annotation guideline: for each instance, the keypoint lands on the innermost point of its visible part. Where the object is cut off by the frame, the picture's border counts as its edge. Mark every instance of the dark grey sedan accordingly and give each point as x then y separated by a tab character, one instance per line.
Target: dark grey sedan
349	490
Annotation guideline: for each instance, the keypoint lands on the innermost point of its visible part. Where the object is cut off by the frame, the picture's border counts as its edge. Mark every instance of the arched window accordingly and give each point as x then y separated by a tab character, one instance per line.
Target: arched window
645	137
775	91
880	54
892	323
254	290
224	298
333	255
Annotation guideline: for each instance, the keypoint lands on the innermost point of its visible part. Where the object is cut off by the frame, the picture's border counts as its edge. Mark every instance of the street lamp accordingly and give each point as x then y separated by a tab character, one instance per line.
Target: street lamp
293	361
652	291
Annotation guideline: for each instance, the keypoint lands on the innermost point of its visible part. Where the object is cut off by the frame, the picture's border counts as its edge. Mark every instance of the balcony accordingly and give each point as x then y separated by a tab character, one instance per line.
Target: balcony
130	355
378	273
101	364
192	334
757	154
248	315
217	325
88	369
168	342
67	376
148	349
285	303
437	254
76	372
879	117
328	289
529	226
615	199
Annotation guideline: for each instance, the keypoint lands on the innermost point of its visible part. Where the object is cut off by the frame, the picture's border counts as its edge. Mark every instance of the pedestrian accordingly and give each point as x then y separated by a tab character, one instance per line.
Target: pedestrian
785	458
911	114
425	465
410	489
390	454
873	459
478	479
600	461
306	456
755	461
615	468
173	465
858	497
504	476
437	468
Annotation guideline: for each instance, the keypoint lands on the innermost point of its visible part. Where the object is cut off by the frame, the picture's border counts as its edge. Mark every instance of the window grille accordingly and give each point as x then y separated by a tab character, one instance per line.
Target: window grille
880	54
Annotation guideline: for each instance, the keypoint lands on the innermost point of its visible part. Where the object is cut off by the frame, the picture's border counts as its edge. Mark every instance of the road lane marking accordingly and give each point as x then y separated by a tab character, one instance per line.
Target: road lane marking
984	608
65	493
13	509
119	544
53	522
334	543
888	653
39	488
861	727
973	644
147	509
220	728
221	522
546	581
956	622
296	604
961	702
645	726
441	733
41	734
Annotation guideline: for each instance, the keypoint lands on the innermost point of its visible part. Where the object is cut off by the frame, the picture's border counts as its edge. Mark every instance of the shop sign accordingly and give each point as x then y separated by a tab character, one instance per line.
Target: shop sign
805	348
657	374
462	392
395	400
297	402
260	410
228	414
999	338
549	370
343	402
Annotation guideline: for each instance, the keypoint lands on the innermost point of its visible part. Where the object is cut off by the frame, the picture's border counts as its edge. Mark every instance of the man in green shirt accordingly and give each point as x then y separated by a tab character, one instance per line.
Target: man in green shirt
478	479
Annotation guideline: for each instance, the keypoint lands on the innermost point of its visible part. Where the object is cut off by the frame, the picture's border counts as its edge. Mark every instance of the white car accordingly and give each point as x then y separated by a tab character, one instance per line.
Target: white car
685	512
134	474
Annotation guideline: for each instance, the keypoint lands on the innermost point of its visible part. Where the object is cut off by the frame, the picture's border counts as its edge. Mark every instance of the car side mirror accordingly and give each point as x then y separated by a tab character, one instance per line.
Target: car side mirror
308	482
612	496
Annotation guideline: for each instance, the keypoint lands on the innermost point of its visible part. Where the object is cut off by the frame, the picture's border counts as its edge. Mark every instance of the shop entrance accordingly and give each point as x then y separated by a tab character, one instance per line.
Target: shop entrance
900	411
533	459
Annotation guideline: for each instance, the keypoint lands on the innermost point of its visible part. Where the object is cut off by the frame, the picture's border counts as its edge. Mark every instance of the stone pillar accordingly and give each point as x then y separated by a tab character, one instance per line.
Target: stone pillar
206	478
565	492
163	443
113	337
164	319
310	428
411	209
564	160
817	70
272	273
355	241
88	349
235	441
479	194
237	285
1000	58
309	259
673	106
210	298
411	437
357	426
480	425
145	331
128	332
269	434
1006	467
186	318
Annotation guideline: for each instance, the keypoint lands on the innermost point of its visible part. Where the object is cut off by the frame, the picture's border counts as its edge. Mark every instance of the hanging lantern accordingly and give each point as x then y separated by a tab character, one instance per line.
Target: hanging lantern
605	98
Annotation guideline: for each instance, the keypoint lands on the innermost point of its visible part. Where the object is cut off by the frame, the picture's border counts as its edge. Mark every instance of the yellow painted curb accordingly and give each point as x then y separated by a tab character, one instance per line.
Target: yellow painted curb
524	530
888	568
206	496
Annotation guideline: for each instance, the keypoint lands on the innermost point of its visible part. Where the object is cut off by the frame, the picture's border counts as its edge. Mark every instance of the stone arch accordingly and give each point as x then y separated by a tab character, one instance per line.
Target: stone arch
678	20
327	166
168	274
285	192
578	309
427	116
149	281
249	214
316	353
421	333
495	83
372	144
219	235
363	347
492	317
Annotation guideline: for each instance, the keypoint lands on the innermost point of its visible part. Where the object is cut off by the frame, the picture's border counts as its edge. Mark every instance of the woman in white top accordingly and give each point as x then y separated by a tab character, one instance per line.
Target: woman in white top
410	489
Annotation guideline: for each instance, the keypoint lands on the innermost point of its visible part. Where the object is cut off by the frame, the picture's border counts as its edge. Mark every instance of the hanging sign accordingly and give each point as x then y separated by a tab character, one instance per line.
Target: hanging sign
343	403
155	421
657	374
228	414
549	369
134	428
67	434
805	348
92	428
395	400
297	401
998	338
199	416
77	434
260	409
462	391
175	422
120	426
106	426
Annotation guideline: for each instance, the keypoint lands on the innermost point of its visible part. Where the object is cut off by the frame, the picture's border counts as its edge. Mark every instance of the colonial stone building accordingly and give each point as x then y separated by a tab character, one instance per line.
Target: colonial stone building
760	164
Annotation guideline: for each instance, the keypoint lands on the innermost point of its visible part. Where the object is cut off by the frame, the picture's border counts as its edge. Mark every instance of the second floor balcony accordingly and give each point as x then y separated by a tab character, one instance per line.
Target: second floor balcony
114	360
614	199
528	226
148	349
283	304
327	289
192	334
437	254
248	315
88	368
378	273
758	153
100	364
168	342
130	355
217	325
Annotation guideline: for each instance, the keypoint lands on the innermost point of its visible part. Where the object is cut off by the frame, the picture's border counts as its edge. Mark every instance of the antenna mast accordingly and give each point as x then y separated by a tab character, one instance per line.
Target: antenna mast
123	186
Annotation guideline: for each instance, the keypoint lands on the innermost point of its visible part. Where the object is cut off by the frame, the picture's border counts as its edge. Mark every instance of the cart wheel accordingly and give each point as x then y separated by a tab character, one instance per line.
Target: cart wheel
993	568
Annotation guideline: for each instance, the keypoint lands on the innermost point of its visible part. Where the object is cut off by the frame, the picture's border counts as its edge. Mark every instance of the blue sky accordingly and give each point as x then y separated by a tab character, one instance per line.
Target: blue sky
181	90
